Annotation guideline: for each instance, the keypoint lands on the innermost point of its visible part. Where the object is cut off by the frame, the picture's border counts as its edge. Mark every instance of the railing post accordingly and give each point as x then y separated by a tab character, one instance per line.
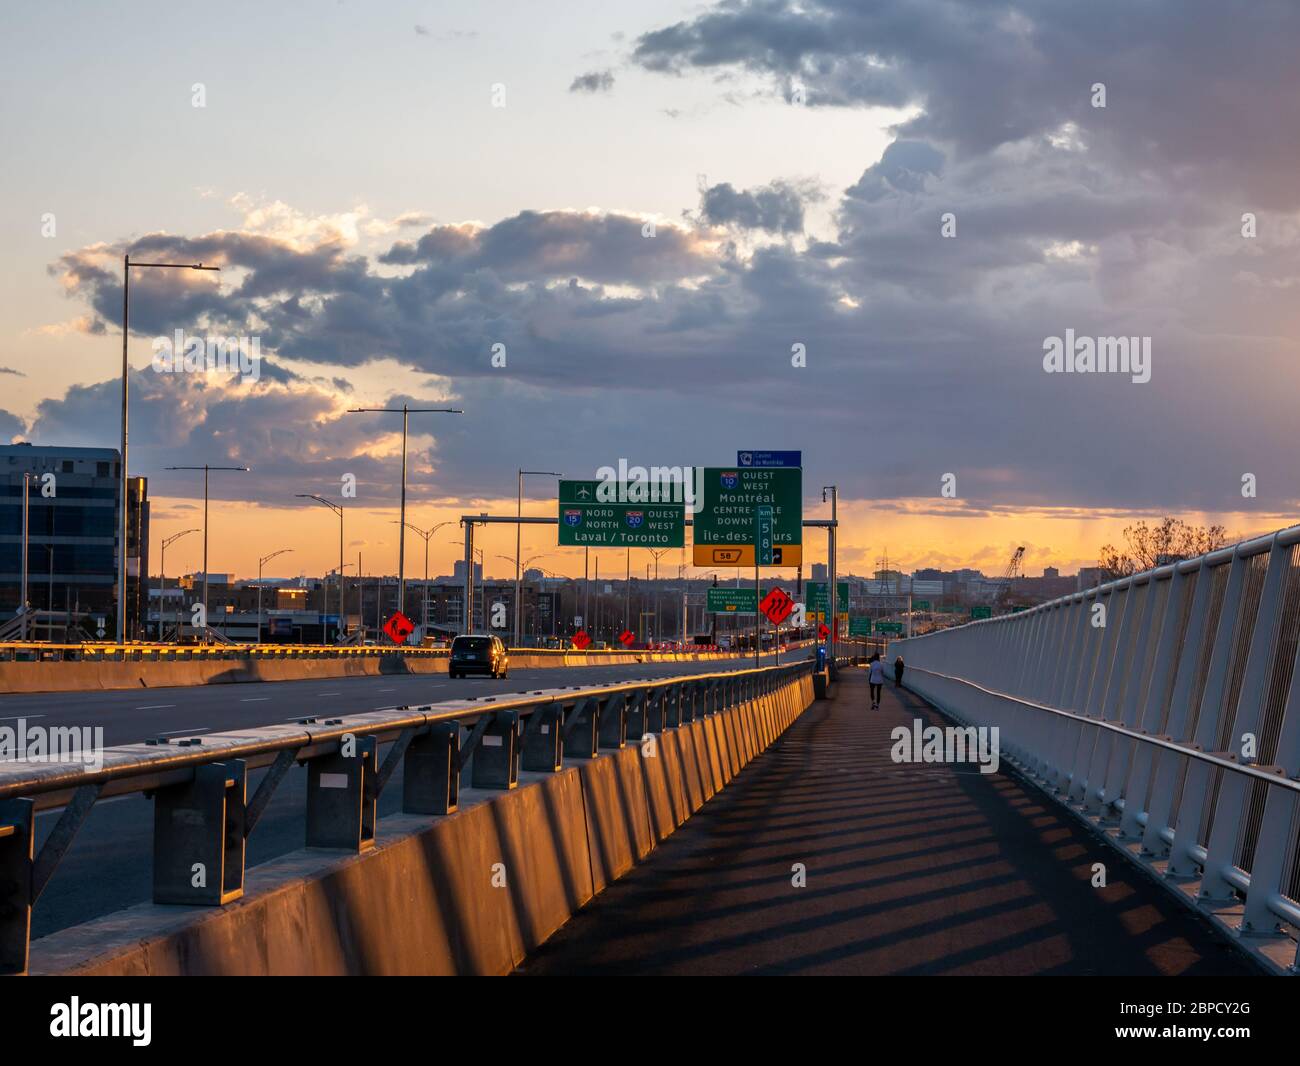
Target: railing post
1196	792
654	709
431	771
496	759
543	741
636	716
1269	867
581	729
340	805
613	722
671	702
198	836
1242	716
17	837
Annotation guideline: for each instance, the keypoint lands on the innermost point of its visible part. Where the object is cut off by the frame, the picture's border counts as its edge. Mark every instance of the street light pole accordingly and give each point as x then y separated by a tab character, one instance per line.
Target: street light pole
832	591
260	563
405	412
206	468
22	599
657	553
519	513
162	577
122	480
338	510
426	534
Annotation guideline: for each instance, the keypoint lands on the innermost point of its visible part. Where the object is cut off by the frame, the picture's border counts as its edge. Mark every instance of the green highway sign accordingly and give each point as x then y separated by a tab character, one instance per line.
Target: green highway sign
981	612
859	627
814	596
725	529
586	519
889	627
732	601
920	605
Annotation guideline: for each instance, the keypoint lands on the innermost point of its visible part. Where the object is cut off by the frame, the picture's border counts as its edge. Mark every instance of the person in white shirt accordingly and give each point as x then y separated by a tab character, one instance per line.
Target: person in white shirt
876	679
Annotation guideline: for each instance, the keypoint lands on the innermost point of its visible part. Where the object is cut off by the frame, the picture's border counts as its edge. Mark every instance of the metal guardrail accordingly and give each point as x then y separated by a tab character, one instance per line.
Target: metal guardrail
203	816
1164	709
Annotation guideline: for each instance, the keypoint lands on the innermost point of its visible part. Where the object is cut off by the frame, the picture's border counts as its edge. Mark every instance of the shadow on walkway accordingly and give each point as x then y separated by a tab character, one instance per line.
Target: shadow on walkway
910	869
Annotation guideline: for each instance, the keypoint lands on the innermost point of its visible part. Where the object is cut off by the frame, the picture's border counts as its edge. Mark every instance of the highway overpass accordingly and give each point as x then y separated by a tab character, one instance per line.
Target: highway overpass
1105	784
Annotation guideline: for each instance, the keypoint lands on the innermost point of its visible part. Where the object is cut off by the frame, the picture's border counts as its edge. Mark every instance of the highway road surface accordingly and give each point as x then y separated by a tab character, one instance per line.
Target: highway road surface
108	866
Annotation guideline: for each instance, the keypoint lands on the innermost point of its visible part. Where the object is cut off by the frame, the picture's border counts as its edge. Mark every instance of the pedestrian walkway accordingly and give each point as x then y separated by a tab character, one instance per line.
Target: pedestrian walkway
910	869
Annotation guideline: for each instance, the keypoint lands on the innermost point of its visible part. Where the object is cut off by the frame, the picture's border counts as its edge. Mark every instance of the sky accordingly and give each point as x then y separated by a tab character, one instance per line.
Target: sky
844	228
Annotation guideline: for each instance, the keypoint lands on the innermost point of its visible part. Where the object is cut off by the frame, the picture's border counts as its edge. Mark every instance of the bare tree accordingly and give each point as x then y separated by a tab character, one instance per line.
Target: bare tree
1168	540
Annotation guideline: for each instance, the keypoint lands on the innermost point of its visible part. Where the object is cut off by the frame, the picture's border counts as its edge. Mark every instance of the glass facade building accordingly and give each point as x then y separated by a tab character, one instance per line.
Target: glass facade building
72	523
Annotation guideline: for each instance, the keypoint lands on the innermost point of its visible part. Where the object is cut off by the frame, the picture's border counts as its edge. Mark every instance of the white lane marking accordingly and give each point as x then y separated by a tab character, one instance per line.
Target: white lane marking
329	694
384	690
186	732
154	706
20	717
256	699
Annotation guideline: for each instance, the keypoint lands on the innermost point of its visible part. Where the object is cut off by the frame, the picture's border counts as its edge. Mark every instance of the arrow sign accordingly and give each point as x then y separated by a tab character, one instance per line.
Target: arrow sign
581	640
823	632
399	627
776	606
627	638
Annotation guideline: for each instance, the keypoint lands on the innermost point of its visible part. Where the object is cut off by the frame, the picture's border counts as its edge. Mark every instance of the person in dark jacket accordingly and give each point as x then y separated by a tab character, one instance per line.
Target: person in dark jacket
898	671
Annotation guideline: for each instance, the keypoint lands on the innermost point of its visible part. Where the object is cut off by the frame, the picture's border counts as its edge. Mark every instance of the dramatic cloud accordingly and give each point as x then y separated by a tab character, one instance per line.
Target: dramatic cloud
776	208
1189	82
596	81
1007	211
11	427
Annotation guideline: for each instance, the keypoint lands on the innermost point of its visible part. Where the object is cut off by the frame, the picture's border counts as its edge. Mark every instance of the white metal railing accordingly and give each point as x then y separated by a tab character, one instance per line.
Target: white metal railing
1164	708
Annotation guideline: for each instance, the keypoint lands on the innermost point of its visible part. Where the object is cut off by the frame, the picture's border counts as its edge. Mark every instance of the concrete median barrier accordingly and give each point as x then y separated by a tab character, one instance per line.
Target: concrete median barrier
95	675
466	893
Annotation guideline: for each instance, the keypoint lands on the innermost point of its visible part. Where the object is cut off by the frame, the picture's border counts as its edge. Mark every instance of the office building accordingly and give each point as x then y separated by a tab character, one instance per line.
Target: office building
72	498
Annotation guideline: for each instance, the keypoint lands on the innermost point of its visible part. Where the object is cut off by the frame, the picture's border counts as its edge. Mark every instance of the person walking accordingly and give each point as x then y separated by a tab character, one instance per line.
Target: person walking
898	672
876	679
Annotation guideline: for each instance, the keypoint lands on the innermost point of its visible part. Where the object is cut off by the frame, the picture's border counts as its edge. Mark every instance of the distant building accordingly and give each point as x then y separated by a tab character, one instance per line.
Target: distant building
1051	572
1089	577
818	572
72	524
458	572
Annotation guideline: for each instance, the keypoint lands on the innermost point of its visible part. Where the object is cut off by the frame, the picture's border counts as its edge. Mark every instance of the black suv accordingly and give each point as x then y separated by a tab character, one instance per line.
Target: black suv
475	654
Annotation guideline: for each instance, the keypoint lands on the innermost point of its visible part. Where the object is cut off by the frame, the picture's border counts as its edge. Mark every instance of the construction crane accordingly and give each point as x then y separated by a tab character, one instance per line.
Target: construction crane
1002	588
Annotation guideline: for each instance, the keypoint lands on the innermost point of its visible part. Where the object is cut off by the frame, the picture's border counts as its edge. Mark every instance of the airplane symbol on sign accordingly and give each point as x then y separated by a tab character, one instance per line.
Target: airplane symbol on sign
583	492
